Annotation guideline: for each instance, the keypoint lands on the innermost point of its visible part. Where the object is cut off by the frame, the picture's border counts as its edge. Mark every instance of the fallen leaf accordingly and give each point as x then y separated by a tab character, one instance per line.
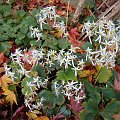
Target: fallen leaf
57	33
117	83
31	115
74	105
4	80
2	102
73	38
42	118
51	2
3	113
1	57
10	97
17	112
116	116
85	73
2	69
57	117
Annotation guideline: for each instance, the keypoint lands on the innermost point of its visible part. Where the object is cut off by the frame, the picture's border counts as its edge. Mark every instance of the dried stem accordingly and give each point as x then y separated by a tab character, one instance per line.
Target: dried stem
78	10
67	12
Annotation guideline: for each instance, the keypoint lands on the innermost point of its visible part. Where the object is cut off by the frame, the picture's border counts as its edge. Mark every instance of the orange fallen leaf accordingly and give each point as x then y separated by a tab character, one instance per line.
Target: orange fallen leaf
57	33
1	69
1	57
42	118
85	73
51	2
4	80
10	97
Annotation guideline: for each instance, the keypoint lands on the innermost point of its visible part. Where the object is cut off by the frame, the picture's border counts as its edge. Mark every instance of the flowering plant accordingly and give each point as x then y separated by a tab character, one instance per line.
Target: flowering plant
55	78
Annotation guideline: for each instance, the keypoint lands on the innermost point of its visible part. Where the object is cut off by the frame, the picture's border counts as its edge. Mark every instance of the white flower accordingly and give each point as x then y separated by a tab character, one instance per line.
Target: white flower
78	98
70	85
75	69
68	95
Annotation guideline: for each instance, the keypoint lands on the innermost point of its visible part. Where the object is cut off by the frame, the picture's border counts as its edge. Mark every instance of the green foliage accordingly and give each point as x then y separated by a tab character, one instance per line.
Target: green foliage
111	108
103	75
65	111
40	70
89	3
66	75
86	45
26	88
50	99
63	43
92	92
91	110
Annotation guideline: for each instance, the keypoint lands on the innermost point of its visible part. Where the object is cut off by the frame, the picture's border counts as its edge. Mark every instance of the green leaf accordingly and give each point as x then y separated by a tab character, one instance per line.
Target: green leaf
29	20
86	45
66	75
1	1
34	12
91	110
90	3
70	74
23	29
25	88
21	36
63	43
21	13
40	70
55	41
65	111
92	92
61	75
108	93
18	42
60	99
5	46
103	75
111	108
49	99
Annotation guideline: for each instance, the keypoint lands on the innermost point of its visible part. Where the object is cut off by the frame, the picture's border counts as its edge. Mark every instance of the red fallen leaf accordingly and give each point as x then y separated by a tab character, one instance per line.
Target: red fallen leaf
74	105
57	117
2	102
14	47
117	83
74	32
116	116
3	113
73	38
17	112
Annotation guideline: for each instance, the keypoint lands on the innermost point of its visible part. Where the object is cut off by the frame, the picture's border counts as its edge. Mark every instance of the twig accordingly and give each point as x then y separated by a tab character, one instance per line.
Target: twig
78	10
67	13
112	11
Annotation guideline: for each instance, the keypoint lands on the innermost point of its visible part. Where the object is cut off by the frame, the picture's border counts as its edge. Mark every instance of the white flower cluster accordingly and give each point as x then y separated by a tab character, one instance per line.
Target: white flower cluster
70	89
33	57
102	35
17	69
70	59
46	14
30	96
74	89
